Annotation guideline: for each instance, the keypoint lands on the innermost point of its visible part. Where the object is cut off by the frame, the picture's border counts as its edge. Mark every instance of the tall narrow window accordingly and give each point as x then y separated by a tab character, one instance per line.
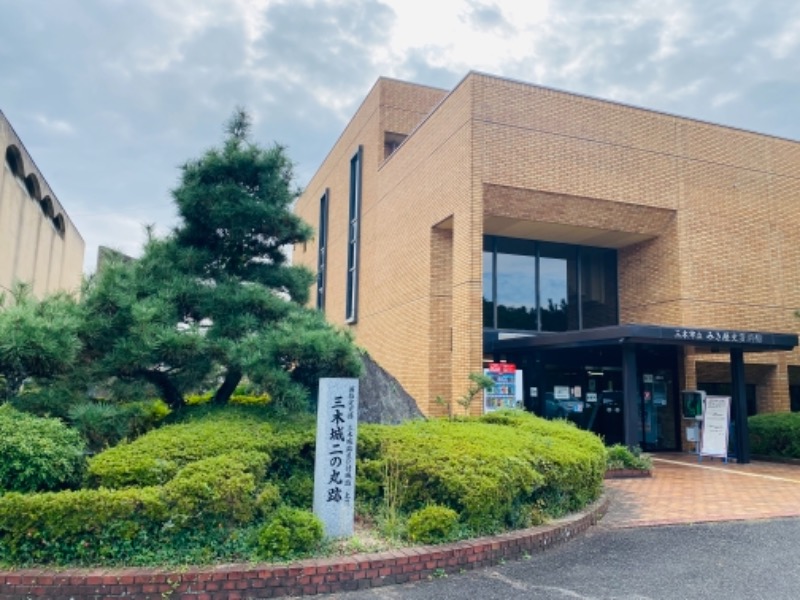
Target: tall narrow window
322	254
351	308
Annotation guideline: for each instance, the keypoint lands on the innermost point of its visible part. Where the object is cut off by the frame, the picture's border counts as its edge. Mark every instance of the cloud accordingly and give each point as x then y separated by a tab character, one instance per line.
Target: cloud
111	96
487	17
55	126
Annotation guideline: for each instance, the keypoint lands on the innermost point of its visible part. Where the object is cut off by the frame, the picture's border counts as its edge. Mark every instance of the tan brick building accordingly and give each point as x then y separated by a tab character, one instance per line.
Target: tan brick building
39	244
502	221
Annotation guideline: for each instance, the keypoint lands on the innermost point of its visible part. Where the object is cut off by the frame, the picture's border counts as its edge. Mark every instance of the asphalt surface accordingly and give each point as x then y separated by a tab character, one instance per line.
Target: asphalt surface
732	560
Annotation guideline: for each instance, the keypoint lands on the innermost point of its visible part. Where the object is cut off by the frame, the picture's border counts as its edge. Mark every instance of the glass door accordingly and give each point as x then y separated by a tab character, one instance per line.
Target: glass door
658	411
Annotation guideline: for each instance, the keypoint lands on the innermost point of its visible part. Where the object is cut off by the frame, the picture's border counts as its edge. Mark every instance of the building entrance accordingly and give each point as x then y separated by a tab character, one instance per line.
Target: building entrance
586	386
647	356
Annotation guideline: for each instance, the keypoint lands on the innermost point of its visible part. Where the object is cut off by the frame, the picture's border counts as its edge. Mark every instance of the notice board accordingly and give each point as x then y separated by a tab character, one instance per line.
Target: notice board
716	421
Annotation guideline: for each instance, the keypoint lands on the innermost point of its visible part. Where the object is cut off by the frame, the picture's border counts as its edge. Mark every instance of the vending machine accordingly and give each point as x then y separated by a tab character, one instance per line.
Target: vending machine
507	389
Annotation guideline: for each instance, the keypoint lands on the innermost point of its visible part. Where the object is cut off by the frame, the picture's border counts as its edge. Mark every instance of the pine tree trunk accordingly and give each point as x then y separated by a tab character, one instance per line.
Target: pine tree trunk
225	391
172	395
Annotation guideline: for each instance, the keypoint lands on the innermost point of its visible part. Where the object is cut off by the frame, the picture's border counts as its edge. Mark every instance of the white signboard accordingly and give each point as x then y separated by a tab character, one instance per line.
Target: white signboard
561	392
716	418
335	461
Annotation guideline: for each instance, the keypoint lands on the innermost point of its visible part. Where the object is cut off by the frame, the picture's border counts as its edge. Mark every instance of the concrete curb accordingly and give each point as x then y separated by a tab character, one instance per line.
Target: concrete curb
307	577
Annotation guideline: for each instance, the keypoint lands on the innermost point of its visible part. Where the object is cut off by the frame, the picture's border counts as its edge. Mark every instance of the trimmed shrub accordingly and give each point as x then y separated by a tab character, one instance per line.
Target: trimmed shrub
38	454
432	524
268	499
157	456
775	434
479	470
237	398
291	533
505	469
220	489
572	461
81	526
297	490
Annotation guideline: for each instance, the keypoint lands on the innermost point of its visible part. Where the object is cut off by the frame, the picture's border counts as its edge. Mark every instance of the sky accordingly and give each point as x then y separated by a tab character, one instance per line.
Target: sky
110	97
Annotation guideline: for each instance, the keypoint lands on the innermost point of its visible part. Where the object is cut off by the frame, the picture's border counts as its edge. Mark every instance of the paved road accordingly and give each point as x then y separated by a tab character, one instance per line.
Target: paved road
731	561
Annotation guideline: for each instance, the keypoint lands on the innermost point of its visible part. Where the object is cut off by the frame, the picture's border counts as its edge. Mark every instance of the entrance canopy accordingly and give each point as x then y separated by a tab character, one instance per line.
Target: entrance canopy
712	340
630	339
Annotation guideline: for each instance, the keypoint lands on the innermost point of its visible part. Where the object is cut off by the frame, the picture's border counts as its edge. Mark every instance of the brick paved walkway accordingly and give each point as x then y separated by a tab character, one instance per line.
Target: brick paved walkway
682	490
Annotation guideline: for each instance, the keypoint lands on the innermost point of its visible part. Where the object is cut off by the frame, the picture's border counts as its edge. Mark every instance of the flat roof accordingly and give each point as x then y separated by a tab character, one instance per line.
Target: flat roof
708	339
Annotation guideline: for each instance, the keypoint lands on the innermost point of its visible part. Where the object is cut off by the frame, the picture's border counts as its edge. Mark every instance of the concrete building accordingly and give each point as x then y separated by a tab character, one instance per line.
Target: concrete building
614	255
38	242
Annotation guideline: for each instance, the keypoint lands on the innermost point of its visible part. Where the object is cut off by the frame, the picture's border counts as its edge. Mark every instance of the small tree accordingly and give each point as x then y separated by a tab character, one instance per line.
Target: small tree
480	383
217	298
37	338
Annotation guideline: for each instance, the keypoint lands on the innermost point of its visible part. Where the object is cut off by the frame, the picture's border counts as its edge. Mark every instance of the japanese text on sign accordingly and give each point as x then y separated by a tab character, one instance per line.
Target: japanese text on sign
334	470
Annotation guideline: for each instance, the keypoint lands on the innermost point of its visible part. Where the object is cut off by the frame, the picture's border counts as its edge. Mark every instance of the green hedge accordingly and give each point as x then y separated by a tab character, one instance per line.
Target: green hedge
572	461
157	456
775	434
38	454
209	496
83	526
496	471
221	488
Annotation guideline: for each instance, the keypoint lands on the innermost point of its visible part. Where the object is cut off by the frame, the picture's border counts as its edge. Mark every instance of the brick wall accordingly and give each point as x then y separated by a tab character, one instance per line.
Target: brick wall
704	218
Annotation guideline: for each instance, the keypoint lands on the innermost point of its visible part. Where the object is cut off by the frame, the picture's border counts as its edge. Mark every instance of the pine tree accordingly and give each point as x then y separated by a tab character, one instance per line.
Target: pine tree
217	299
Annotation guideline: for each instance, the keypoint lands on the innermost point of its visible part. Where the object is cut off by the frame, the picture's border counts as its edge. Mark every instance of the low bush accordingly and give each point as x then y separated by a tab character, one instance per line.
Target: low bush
268	499
775	434
84	526
291	533
297	490
38	454
619	456
157	456
216	490
432	525
571	460
501	470
236	398
479	470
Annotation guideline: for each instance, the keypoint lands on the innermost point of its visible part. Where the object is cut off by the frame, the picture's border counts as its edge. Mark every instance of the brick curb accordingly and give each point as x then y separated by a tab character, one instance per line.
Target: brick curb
628	473
307	577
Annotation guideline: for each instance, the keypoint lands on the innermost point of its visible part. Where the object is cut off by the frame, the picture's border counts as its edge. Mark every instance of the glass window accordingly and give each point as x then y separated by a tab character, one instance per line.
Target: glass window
488	283
351	308
322	236
543	286
516	284
598	287
558	287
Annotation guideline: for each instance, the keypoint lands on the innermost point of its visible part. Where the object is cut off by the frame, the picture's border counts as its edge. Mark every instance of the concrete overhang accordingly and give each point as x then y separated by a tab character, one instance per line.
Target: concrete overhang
545	216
